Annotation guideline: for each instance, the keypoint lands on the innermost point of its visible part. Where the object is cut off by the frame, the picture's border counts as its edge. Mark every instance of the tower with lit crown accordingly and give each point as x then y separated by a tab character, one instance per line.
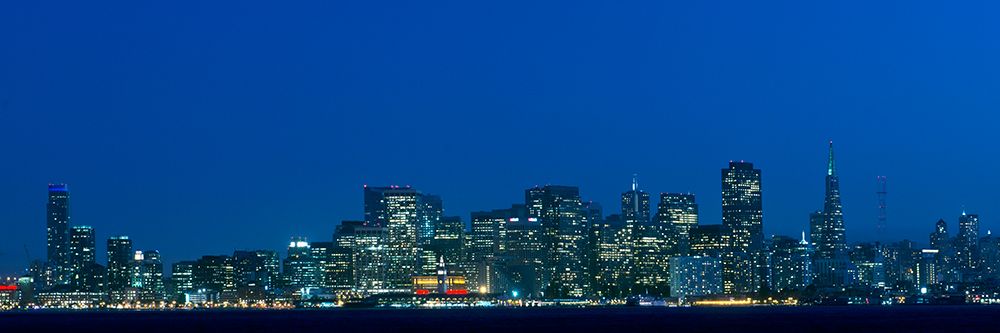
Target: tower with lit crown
831	262
832	241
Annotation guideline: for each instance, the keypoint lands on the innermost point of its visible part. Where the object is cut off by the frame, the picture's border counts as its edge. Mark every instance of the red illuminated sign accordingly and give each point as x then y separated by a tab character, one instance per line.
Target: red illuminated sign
457	292
8	288
423	291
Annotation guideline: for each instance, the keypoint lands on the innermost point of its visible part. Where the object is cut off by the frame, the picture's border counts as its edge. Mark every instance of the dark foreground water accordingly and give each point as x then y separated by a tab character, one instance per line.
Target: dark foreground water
556	320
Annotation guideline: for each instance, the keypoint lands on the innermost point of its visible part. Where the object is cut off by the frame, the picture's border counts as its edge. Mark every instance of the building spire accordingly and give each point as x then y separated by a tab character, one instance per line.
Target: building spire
635	181
831	167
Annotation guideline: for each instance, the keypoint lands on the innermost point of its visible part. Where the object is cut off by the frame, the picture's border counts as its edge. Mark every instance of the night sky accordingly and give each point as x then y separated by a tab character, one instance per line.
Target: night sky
197	127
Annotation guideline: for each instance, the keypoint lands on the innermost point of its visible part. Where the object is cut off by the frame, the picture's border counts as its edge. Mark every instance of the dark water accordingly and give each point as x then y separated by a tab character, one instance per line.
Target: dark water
756	319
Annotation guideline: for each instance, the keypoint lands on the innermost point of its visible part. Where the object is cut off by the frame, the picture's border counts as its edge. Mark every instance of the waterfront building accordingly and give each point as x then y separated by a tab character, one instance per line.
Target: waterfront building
564	235
120	262
301	269
695	276
791	263
742	213
57	222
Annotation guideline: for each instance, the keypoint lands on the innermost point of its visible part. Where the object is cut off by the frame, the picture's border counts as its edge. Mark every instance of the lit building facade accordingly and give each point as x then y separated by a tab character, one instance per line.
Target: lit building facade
301	269
695	276
85	273
677	213
57	222
120	262
791	263
742	213
832	260
564	234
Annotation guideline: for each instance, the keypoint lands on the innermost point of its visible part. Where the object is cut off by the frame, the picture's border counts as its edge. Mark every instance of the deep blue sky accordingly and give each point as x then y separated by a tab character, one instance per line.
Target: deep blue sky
200	127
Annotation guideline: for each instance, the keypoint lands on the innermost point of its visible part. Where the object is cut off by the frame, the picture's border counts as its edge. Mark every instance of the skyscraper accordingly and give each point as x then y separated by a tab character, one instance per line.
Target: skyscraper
832	241
257	269
401	243
487	241
526	251
945	257
815	227
120	260
742	213
57	235
565	237
832	262
82	257
677	213
214	273
182	278
635	207
147	273
301	269
967	245
431	211
370	256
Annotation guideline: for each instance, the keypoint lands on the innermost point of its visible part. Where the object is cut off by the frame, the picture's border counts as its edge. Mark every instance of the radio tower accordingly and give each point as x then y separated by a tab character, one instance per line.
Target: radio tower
881	192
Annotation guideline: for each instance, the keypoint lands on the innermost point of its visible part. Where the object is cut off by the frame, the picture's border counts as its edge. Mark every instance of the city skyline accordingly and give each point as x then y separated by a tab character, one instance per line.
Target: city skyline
554	246
467	222
248	123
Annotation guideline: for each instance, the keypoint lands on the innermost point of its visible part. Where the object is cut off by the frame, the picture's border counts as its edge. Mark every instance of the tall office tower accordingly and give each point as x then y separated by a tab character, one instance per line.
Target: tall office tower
791	263
649	262
611	253
214	273
564	231
487	241
711	240
374	205
967	245
182	278
431	211
401	213
342	255
939	238
695	276
815	227
448	243
635	208
120	260
82	257
57	235
677	213
533	201
926	273
256	271
941	241
831	242
148	273
328	270
742	213
832	263
868	265
527	252
300	268
370	256
989	246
